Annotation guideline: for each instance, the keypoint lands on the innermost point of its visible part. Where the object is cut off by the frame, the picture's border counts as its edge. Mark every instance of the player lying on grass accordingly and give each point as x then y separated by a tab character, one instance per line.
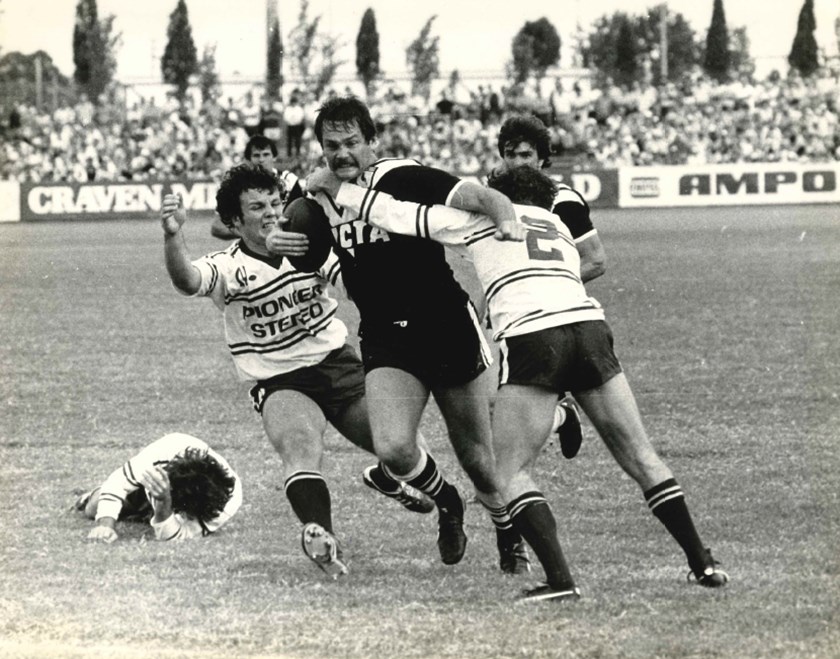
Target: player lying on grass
553	338
287	342
178	483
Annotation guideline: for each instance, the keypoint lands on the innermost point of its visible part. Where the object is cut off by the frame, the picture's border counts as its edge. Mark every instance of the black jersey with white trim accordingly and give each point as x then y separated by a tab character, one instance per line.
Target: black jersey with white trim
393	277
573	210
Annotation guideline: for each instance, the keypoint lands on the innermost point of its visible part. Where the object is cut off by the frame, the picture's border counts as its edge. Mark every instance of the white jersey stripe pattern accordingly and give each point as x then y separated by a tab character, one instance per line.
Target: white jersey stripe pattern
529	285
277	319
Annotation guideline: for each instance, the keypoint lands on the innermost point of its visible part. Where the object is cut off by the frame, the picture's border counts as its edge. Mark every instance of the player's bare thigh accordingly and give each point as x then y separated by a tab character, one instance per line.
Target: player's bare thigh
522	419
395	400
295	427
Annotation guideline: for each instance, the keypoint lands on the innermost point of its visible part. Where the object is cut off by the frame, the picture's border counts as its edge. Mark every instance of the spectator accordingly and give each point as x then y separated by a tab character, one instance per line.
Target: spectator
293	117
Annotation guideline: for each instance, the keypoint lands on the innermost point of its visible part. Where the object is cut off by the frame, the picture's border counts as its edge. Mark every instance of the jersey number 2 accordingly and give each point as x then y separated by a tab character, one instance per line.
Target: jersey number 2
539	229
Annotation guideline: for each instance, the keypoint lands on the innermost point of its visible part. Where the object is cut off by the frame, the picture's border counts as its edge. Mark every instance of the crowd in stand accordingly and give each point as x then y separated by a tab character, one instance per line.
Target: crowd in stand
696	121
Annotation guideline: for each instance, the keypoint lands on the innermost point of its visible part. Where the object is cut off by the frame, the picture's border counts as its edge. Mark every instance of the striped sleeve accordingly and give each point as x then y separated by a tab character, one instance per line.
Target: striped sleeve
331	271
443	224
573	211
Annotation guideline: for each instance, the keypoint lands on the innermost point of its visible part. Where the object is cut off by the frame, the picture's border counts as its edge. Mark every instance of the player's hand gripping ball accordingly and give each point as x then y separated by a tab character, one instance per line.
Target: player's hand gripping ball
307	217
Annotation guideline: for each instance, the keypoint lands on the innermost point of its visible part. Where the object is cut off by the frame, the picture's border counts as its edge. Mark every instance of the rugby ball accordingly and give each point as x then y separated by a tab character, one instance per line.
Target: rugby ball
307	217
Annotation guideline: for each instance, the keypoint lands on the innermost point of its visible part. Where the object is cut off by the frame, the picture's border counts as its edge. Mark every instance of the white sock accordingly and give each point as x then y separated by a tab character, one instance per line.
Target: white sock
559	417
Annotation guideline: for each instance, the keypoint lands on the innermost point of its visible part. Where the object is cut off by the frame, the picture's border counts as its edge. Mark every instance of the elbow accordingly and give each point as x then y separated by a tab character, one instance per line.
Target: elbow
593	269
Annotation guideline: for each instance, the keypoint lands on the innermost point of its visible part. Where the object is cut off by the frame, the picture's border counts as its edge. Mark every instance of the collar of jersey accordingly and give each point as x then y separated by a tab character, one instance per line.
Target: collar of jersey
274	261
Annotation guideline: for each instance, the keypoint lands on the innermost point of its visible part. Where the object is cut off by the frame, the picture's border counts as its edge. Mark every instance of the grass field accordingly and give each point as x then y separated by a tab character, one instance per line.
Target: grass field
727	322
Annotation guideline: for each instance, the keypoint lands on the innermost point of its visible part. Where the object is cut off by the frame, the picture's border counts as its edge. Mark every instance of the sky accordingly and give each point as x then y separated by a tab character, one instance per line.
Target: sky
475	35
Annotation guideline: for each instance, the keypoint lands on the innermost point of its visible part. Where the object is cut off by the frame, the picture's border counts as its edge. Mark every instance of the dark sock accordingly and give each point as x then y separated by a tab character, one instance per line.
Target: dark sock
429	481
309	496
667	502
533	518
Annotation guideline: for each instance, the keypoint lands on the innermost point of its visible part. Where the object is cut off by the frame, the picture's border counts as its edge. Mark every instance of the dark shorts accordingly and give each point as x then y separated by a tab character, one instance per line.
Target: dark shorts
575	357
439	354
333	384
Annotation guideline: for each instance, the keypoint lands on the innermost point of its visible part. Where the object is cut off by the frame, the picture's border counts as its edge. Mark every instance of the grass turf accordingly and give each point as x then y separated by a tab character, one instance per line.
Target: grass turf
726	322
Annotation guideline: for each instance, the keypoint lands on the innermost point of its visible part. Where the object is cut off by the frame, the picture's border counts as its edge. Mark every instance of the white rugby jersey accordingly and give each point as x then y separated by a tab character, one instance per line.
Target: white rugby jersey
123	481
277	319
529	285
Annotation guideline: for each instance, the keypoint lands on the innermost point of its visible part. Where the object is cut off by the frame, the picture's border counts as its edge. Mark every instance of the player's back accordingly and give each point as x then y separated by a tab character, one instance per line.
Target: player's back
533	284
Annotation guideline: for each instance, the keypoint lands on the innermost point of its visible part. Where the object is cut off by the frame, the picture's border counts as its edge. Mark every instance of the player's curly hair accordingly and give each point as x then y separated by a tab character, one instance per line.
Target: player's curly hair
526	128
345	110
525	185
237	180
200	486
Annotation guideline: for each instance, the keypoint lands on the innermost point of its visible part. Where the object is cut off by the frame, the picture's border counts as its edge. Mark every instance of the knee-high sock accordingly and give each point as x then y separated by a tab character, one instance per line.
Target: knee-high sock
667	502
533	518
426	477
309	496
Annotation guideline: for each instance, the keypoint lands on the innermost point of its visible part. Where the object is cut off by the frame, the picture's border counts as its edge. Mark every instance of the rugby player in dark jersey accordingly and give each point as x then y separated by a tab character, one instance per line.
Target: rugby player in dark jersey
419	333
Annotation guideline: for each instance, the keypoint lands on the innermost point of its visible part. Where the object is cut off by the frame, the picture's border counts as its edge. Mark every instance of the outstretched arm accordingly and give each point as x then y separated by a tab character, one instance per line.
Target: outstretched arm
181	271
443	224
466	196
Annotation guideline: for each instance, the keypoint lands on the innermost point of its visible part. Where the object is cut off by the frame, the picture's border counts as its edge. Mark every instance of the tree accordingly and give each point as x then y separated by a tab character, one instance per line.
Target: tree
208	76
599	49
94	50
180	58
522	61
18	78
740	60
625	54
423	59
535	48
681	43
717	59
803	51
274	61
314	54
367	51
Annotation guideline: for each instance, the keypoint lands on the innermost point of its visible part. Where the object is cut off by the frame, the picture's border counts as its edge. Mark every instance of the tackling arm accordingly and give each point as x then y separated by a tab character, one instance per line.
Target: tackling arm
440	223
573	211
592	258
496	206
